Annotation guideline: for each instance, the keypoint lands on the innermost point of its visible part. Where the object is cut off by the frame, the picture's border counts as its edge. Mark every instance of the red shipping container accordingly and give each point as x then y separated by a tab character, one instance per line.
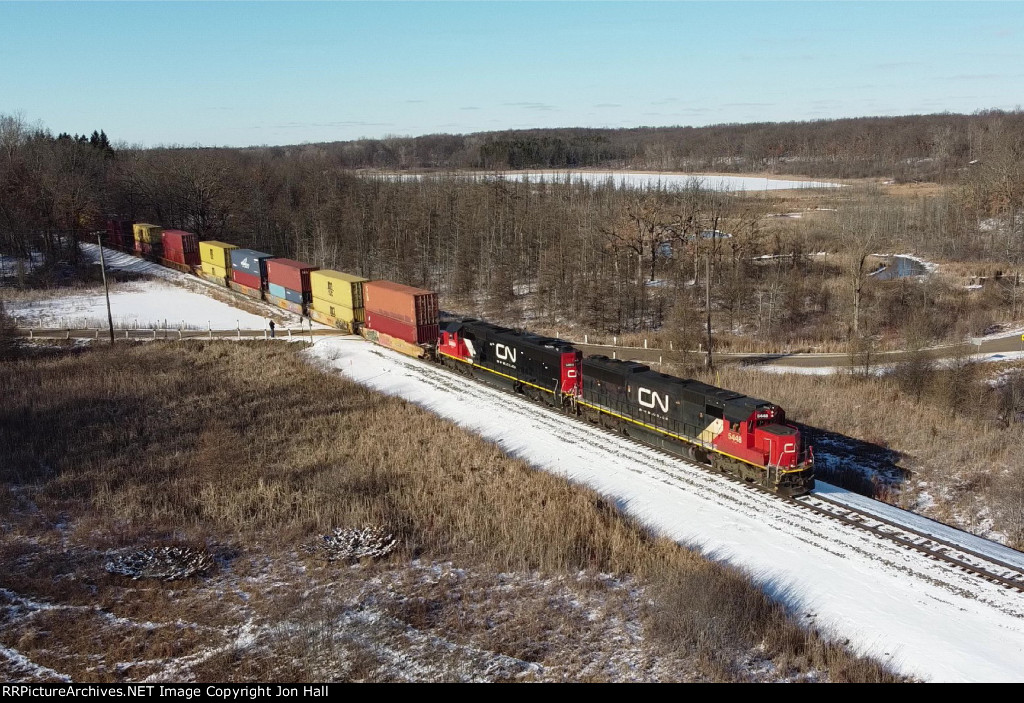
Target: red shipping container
290	274
187	258
248	280
180	240
413	306
414	334
119	232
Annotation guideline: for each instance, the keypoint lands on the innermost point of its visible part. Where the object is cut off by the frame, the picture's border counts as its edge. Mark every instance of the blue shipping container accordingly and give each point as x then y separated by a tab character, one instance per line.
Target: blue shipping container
251	262
293	296
276	290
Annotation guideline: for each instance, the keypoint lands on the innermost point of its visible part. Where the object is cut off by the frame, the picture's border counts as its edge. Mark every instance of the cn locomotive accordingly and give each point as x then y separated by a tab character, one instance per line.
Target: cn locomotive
735	434
744	437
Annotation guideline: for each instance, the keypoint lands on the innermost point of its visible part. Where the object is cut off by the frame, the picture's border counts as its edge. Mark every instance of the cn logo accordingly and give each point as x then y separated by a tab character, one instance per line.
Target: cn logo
651	399
505	353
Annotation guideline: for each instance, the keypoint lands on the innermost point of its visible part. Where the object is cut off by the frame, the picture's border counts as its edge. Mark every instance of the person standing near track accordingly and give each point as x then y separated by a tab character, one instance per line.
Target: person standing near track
271	328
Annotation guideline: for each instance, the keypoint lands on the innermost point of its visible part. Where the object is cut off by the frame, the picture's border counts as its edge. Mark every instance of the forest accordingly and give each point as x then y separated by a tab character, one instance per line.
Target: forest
785	270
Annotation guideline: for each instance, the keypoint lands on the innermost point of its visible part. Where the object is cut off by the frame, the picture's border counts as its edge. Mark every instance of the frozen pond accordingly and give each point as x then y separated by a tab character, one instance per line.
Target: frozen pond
900	267
630	179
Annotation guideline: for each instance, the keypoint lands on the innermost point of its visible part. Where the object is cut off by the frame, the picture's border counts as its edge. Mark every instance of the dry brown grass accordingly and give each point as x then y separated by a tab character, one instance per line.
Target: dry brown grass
246	450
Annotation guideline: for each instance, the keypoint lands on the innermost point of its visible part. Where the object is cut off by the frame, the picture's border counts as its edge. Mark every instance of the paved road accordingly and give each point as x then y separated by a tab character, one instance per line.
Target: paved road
996	345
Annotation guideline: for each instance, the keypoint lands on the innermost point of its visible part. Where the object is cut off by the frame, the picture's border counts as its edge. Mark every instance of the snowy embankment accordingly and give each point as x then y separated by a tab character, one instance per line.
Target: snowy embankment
136	305
175	300
922	617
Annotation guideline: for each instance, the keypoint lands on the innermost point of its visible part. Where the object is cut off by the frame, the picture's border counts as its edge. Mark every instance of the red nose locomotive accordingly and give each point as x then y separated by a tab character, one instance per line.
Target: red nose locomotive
745	437
738	435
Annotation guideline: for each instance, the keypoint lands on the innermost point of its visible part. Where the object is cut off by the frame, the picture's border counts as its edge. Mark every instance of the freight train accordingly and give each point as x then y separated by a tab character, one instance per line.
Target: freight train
743	437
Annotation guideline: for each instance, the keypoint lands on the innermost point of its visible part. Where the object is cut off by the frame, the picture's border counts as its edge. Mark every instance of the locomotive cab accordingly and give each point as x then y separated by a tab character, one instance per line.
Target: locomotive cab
784	456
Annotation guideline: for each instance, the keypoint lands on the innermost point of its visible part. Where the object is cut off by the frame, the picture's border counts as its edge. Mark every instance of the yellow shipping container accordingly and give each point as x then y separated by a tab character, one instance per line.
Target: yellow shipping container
337	288
337	310
150	234
216	253
214	270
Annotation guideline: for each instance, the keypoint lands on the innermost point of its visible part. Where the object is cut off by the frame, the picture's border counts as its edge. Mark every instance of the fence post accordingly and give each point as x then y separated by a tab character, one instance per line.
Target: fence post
179	335
613	354
154	333
585	339
615	341
670	345
645	342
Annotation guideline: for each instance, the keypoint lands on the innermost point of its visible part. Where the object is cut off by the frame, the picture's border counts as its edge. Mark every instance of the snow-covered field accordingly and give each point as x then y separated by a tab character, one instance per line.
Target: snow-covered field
164	298
924	618
140	304
638	180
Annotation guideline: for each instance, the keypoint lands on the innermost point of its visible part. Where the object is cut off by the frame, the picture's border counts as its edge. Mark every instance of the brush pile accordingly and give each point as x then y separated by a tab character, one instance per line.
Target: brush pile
164	563
352	544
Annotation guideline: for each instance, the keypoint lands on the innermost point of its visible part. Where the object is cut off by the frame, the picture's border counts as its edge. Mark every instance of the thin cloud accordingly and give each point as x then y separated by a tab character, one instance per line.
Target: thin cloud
530	106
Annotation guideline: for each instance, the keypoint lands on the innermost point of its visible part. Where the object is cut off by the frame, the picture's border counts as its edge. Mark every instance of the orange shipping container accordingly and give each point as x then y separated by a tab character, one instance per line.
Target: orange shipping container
412	306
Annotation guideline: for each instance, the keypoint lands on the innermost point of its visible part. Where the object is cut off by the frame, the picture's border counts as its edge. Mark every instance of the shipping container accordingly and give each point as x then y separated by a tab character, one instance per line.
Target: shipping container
216	253
340	288
336	310
219	280
119	232
185	258
386	340
296	308
246	279
147	249
290	274
213	270
414	334
246	290
251	262
144	232
180	240
294	296
347	324
413	306
276	290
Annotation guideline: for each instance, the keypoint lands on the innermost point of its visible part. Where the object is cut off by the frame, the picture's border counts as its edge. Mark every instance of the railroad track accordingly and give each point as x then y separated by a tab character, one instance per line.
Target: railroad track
988	568
935	548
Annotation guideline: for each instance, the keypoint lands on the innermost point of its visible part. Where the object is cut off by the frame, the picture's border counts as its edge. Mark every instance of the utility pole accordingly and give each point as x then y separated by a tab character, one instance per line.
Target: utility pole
106	290
707	303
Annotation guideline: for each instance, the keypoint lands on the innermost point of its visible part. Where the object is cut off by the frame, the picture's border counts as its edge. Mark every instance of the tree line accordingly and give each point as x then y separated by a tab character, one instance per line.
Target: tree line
611	259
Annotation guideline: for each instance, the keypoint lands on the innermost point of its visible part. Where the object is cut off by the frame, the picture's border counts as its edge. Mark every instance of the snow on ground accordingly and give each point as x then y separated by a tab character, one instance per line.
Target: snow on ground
633	179
136	305
119	261
10	265
920	616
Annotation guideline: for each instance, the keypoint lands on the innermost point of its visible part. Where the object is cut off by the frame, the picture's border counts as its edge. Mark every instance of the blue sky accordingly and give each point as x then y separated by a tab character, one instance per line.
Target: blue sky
240	73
